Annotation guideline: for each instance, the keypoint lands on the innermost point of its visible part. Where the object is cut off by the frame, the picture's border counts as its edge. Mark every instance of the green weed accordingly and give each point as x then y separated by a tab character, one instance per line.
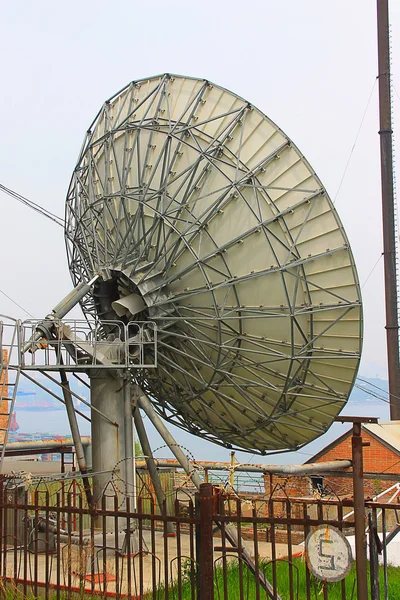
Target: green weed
243	585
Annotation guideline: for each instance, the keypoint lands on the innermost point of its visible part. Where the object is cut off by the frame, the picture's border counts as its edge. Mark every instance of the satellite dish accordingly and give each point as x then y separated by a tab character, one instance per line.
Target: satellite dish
201	215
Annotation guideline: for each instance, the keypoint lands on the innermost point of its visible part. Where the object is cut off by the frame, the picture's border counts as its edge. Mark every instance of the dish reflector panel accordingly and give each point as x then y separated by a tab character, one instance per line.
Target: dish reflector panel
191	199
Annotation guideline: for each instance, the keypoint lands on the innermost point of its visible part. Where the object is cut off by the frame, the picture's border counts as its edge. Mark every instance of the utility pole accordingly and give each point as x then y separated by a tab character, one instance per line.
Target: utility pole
388	208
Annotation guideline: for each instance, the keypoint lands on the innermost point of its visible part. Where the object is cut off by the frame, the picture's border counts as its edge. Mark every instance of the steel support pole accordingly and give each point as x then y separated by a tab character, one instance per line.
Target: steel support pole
76	436
44	328
359	513
108	430
129	480
144	403
151	465
388	208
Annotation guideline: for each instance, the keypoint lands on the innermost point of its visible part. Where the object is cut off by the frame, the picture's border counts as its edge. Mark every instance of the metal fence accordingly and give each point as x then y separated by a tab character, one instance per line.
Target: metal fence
57	547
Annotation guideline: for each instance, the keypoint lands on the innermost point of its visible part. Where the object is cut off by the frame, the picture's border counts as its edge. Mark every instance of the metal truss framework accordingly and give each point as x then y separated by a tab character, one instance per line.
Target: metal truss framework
191	198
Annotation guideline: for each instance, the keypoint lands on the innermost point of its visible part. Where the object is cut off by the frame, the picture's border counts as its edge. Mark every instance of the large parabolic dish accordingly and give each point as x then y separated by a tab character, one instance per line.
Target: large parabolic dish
200	212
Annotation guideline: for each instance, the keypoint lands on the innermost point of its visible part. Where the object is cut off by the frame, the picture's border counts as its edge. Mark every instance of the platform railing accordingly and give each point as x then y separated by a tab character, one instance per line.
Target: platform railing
78	345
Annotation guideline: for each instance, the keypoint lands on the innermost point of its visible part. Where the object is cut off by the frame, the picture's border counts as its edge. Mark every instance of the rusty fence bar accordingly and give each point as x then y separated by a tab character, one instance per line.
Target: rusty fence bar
206	550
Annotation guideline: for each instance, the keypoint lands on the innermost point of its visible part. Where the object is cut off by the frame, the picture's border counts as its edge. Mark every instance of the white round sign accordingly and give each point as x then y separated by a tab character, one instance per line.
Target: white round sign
328	553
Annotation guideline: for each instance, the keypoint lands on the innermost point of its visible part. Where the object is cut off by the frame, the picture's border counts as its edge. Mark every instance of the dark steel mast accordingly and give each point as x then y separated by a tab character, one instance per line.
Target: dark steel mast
388	208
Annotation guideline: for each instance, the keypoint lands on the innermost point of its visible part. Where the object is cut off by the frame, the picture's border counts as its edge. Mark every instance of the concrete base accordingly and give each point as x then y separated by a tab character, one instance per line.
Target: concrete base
87	560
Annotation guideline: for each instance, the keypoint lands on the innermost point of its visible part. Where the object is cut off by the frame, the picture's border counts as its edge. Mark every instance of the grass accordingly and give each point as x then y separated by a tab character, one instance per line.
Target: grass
248	586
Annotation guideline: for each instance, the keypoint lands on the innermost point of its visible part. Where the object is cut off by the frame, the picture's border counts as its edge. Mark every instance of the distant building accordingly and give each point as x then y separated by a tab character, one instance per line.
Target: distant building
381	459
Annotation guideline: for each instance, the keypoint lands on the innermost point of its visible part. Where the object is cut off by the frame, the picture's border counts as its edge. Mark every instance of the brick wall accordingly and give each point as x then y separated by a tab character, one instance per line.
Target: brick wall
377	459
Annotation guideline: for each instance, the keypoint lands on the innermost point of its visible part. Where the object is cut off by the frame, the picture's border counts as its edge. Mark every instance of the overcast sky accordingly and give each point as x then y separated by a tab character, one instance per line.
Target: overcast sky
310	66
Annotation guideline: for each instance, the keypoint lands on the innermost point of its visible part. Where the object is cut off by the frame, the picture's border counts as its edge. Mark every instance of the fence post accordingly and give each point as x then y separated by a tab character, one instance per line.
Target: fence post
205	558
373	554
359	512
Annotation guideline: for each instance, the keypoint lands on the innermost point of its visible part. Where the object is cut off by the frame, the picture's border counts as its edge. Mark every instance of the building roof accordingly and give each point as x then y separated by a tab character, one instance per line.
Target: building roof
386	432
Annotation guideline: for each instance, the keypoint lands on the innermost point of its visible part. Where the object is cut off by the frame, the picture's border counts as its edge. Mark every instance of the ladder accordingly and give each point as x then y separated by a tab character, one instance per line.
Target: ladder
8	348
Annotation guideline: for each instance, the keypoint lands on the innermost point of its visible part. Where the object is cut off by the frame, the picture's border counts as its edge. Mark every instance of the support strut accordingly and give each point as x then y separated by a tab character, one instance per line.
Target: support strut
76	436
44	328
151	465
128	425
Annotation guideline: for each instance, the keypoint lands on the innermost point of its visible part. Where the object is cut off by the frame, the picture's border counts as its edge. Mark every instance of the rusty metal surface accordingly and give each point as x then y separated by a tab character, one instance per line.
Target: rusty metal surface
359	512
